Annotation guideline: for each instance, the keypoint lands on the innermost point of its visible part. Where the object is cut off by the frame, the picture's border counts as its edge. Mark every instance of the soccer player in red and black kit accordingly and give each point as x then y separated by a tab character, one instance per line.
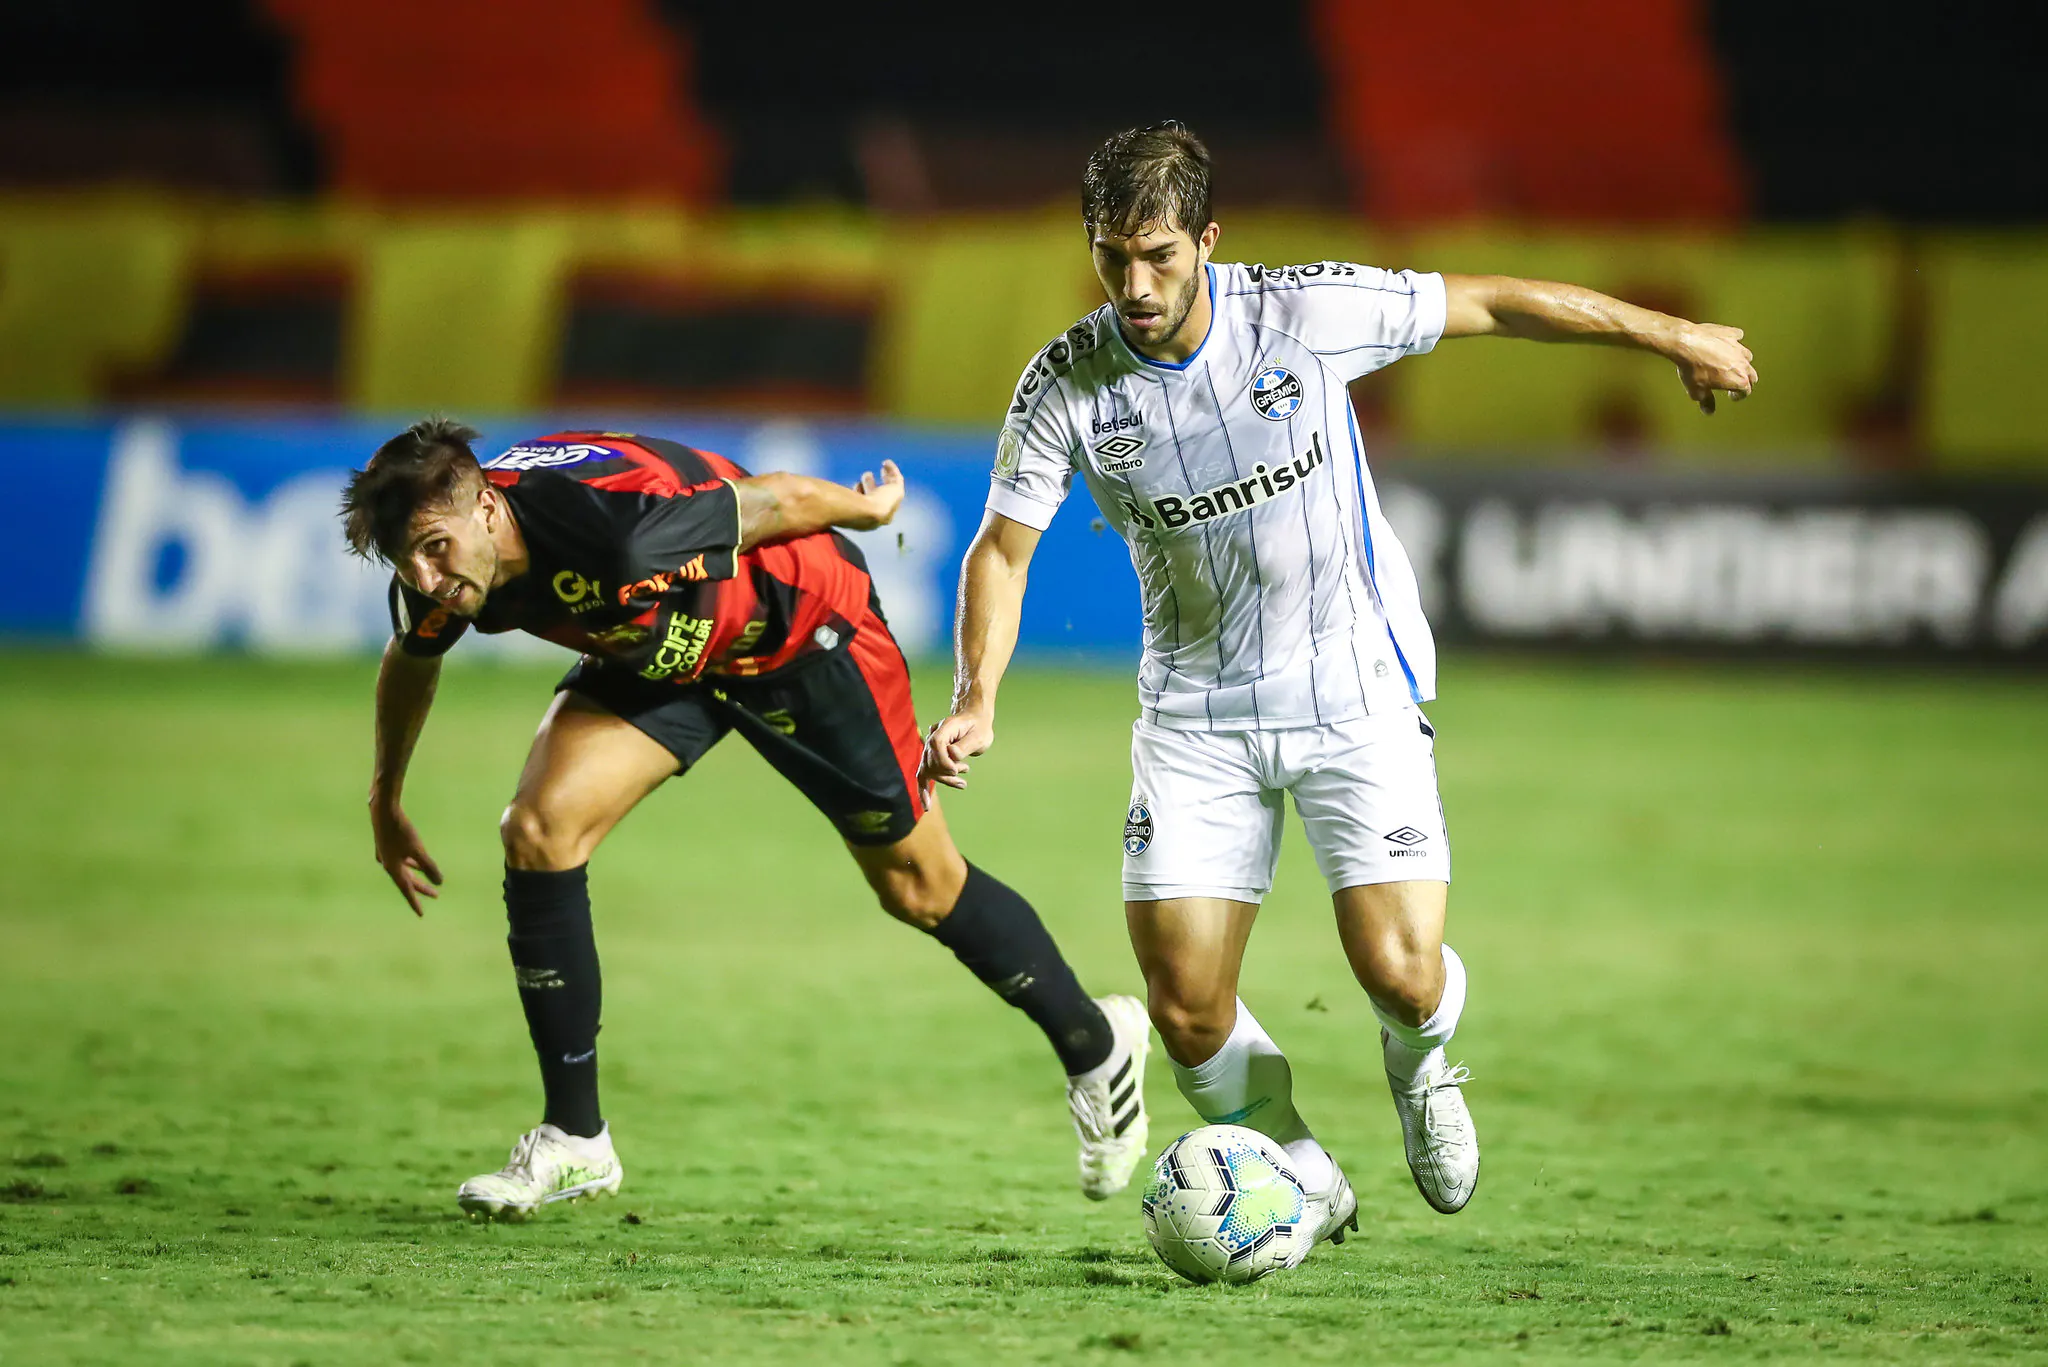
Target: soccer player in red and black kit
704	601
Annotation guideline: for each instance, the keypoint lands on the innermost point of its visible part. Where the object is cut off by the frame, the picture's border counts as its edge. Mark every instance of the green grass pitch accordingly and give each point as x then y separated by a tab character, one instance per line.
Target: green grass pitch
1758	1029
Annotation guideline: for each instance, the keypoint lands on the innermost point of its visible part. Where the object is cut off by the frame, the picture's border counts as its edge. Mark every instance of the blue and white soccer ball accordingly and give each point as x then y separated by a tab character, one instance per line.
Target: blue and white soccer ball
1224	1205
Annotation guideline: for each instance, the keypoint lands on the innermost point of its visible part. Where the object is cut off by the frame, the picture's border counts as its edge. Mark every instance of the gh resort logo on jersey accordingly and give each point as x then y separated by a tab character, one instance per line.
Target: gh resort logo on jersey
1276	393
577	593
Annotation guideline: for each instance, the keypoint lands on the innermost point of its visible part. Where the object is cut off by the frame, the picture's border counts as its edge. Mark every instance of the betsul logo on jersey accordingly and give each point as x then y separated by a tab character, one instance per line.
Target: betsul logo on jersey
1120	453
1276	393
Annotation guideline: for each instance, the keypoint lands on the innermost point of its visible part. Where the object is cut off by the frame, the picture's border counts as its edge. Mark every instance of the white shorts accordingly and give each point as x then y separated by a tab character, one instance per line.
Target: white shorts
1206	806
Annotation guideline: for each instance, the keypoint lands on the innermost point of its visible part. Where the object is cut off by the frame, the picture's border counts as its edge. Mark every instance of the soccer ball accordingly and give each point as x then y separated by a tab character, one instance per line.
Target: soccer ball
1224	1205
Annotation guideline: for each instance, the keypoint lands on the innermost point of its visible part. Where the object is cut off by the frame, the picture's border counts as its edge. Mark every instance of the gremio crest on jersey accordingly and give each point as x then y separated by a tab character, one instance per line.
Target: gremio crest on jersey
1276	393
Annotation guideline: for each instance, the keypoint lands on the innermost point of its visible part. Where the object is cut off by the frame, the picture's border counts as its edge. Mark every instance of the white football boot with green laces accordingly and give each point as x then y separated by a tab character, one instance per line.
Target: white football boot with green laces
1436	1130
547	1165
1108	1104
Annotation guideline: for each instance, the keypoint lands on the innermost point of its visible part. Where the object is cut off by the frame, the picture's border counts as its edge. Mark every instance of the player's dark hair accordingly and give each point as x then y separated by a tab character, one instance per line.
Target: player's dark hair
421	467
1155	174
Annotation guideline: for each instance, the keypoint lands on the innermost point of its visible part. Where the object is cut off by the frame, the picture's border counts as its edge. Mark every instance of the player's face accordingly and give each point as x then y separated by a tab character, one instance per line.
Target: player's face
1154	278
453	552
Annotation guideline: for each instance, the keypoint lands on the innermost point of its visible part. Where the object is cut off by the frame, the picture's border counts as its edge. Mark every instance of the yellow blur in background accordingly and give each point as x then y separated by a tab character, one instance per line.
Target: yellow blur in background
1859	329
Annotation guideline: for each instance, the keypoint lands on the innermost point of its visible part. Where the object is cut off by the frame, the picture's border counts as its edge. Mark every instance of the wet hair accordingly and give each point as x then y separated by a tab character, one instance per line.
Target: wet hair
424	466
1155	174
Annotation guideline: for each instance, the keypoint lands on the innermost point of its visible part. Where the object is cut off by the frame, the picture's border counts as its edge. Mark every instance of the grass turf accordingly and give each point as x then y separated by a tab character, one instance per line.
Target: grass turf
1756	1024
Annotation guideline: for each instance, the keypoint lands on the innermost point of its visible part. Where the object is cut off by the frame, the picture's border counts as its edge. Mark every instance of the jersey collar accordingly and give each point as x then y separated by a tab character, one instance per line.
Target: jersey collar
1174	365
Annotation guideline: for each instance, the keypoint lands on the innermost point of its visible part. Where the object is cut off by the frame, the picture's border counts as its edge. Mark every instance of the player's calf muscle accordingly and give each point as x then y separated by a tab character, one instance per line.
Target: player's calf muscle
1393	935
918	879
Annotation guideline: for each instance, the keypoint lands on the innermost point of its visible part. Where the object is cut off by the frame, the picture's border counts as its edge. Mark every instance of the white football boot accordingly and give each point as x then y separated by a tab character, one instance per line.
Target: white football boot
547	1165
1336	1212
1340	1207
1109	1110
1436	1130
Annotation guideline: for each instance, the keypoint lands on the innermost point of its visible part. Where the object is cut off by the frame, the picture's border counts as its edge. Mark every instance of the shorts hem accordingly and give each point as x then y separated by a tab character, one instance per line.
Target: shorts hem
1365	878
1166	892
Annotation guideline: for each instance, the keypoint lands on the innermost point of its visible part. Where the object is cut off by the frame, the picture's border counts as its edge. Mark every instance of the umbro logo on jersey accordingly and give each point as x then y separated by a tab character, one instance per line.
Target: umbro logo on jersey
1276	393
1265	482
1120	453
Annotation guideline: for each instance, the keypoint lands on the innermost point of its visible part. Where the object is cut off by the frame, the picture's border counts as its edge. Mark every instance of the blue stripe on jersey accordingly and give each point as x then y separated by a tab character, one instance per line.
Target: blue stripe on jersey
1308	532
1208	554
1251	529
1371	572
1180	365
1158	546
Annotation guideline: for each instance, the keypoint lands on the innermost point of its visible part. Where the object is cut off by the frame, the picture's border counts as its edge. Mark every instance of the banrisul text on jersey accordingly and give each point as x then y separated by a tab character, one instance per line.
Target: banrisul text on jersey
1236	496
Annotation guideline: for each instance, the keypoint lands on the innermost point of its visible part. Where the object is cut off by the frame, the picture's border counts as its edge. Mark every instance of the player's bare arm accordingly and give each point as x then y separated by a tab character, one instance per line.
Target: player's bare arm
984	637
405	693
779	506
1709	356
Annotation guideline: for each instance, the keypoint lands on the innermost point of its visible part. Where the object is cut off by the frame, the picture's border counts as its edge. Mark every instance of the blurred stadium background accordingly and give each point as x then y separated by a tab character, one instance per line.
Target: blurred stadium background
241	241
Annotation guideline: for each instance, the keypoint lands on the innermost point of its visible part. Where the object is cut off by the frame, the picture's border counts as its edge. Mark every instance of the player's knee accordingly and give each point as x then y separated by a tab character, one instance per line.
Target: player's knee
534	839
914	896
1406	982
1192	1028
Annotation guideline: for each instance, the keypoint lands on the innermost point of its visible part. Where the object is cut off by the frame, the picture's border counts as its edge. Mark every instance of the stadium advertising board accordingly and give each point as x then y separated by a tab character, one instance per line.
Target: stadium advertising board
1804	564
172	534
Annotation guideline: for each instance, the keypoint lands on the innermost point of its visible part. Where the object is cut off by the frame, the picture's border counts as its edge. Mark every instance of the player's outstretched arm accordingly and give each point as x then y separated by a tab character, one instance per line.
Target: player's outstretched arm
777	506
405	692
984	637
1709	356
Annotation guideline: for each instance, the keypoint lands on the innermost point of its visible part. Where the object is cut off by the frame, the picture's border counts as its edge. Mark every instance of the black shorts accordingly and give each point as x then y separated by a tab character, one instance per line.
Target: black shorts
839	725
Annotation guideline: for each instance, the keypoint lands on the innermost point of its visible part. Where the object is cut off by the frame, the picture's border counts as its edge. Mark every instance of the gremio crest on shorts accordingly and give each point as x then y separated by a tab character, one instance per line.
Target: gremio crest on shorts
1276	393
1138	828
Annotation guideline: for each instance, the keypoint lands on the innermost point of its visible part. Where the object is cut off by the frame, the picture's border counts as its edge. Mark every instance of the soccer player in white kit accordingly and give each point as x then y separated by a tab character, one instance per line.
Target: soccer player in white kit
1286	651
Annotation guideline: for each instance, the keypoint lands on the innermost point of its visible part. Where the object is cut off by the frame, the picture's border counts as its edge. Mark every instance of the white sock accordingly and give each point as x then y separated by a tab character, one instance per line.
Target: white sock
1413	1050
1249	1083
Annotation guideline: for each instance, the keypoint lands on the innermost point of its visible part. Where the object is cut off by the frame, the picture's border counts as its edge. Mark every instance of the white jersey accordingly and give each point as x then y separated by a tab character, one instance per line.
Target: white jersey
1275	594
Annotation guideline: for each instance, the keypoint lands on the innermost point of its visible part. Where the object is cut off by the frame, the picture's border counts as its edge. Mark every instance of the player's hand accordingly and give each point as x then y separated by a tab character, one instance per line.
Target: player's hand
403	855
952	743
1712	357
879	498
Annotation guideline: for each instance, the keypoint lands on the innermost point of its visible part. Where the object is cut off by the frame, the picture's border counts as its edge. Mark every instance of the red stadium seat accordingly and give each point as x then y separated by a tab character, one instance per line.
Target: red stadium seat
1574	110
501	99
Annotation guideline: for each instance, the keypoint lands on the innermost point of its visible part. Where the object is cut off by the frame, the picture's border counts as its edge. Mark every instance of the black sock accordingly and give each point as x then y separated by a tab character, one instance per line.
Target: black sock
554	957
996	934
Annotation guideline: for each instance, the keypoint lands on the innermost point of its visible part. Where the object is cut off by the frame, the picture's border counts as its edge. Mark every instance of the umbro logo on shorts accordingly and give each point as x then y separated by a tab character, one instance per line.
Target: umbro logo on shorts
1408	839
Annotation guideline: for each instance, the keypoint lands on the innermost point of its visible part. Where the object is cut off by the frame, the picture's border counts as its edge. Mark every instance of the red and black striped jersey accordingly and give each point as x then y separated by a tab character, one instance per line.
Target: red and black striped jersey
634	558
